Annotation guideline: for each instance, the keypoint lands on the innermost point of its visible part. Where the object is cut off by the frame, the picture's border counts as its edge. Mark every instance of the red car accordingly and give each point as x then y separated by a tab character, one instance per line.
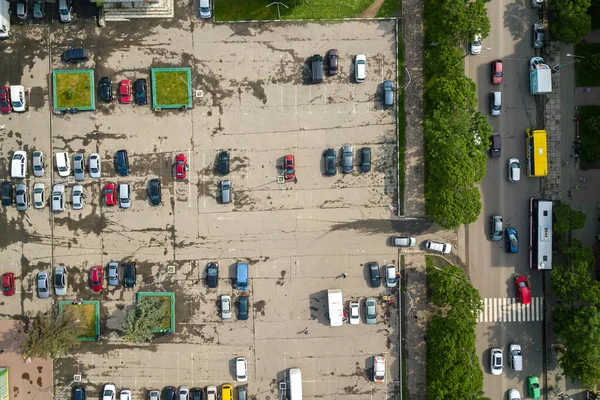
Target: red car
181	166
125	91
8	284
96	278
5	107
289	167
523	290
497	72
110	194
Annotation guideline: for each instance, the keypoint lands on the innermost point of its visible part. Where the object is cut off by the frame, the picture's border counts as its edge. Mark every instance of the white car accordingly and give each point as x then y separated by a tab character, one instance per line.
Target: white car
241	369
63	164
109	391
496	361
39	195
513	394
225	307
354	313
379	369
95	165
404	241
476	45
360	67
439	247
60	281
183	393
38	163
125	394
17	98
77	197
205	9
514	170
18	165
391	280
154	395
58	198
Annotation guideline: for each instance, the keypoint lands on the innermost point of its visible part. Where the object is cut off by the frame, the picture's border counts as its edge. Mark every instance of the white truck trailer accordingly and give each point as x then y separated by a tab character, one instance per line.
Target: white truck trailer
336	307
540	77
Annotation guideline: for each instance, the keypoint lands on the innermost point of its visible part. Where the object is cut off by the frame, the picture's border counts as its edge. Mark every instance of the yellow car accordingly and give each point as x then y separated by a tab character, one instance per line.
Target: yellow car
226	392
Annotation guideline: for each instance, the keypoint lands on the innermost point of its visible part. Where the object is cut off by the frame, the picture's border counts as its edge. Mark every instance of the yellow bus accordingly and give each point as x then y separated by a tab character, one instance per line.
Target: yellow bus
537	152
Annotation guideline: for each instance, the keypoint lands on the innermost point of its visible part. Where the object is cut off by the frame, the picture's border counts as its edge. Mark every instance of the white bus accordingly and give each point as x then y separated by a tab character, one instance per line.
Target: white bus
540	234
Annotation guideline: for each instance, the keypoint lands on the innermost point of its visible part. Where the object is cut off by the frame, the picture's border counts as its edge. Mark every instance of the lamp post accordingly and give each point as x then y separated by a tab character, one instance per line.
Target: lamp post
278	13
574	56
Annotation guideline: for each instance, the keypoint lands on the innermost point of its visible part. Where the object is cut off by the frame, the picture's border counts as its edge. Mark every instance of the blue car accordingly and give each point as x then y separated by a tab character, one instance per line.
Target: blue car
512	240
122	163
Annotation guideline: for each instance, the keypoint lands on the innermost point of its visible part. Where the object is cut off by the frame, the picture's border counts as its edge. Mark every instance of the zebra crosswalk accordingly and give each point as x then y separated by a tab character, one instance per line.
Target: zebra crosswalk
510	310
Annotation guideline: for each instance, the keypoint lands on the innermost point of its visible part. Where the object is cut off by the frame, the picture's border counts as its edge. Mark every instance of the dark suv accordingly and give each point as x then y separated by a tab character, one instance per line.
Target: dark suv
223	163
79	393
212	274
105	89
122	163
75	55
329	156
6	192
130	275
374	274
154	192
140	89
365	162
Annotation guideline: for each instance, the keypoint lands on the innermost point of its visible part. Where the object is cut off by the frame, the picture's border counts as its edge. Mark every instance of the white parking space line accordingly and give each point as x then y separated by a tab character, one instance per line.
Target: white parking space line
296	98
310	99
353	100
280	99
189	178
325	99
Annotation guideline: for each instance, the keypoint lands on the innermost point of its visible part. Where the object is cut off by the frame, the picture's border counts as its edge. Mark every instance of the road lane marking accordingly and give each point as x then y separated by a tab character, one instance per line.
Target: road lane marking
510	310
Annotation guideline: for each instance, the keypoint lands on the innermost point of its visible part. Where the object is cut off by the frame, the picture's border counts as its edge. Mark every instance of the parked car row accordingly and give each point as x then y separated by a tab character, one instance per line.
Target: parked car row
19	168
12	98
109	390
370	306
21	198
65	9
347	160
127	91
515	359
60	282
391	275
243	304
496	234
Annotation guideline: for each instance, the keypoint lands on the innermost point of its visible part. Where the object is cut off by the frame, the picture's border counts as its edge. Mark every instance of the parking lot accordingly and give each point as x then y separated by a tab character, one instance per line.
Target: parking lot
298	237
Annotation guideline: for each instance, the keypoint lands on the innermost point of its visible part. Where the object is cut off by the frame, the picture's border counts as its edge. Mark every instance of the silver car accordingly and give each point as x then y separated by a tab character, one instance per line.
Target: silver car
79	167
347	159
43	289
95	165
38	163
514	170
371	311
113	273
60	281
39	195
183	393
404	241
496	228
22	197
391	279
77	197
225	307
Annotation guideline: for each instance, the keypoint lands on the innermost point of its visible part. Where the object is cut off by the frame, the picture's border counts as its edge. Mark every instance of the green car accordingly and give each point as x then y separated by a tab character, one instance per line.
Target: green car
534	387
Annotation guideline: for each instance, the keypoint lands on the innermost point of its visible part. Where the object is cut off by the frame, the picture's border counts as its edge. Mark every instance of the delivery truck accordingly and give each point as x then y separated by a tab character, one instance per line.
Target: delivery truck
336	307
540	77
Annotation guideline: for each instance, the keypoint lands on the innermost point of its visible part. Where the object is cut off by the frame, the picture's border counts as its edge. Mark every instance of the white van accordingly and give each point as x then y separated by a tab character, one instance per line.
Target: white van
18	165
295	381
4	19
63	164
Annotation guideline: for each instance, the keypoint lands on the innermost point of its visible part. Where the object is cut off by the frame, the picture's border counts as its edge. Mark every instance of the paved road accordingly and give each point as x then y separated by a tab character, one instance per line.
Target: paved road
492	270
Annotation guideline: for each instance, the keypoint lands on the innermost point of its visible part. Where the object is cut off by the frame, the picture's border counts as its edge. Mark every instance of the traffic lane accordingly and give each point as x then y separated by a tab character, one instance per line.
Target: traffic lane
501	335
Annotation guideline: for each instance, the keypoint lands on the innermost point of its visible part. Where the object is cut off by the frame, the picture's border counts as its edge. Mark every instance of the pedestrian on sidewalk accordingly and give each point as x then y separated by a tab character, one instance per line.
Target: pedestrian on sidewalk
576	187
566	163
2	351
344	275
583	179
587	90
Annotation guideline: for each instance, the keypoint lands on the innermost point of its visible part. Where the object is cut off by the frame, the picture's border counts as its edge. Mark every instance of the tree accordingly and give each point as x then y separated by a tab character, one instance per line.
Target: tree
571	21
52	334
566	219
579	357
140	324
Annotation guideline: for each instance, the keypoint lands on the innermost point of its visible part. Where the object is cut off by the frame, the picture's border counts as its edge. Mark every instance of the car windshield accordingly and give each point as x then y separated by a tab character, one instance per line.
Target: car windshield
62	168
17	103
522	284
108	191
64	11
212	272
93	170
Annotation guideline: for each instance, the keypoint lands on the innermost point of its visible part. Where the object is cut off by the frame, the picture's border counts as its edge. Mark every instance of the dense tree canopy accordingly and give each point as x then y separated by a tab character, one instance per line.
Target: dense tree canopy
52	334
571	21
451	333
140	324
566	219
456	135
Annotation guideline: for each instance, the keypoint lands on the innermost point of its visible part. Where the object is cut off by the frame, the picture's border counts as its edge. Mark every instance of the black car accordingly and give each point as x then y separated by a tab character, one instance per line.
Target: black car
79	393
329	156
129	276
365	161
154	192
141	92
169	393
374	274
243	308
122	163
105	89
6	191
223	163
75	55
196	394
212	274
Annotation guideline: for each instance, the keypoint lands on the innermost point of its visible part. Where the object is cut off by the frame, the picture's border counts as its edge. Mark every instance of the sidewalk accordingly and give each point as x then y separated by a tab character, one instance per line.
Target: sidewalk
591	98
